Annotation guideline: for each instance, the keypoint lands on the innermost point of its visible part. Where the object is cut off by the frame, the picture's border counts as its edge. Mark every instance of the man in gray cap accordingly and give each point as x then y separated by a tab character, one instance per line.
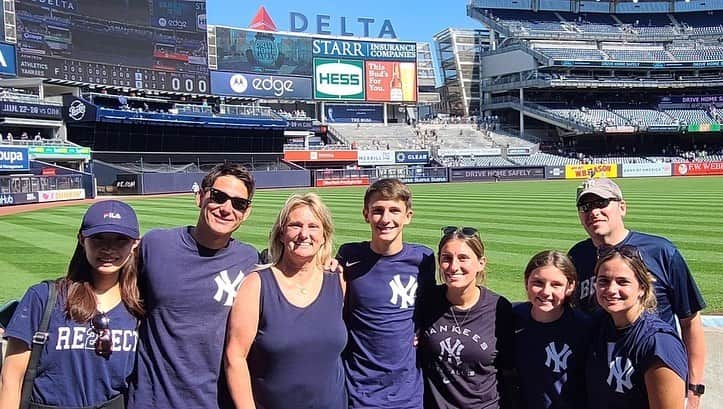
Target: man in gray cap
601	209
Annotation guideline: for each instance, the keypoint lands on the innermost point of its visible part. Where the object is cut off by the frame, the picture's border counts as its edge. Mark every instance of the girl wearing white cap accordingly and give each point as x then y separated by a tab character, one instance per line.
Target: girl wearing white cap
87	352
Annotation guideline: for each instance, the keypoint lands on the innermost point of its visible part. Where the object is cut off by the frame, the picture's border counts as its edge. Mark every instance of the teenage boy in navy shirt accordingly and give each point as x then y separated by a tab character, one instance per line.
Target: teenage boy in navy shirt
384	277
601	208
188	279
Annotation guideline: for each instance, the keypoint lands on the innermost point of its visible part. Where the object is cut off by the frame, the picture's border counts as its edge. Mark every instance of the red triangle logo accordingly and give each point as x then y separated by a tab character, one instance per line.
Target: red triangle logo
263	21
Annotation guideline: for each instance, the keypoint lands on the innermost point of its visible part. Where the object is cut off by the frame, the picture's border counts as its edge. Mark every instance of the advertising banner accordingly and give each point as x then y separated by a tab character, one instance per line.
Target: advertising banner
8	199
55	152
14	158
470	152
127	184
554	172
351	181
519	151
327	47
414	174
350	113
30	110
188	15
320	156
58	195
605	170
490	174
373	158
338	79
388	81
412	157
7	60
698	169
77	109
704	127
263	52
620	129
260	86
634	170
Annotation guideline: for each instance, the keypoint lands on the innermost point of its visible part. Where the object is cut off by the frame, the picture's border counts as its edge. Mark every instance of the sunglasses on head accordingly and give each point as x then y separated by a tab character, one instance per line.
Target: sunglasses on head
100	326
595	204
624	250
219	197
465	231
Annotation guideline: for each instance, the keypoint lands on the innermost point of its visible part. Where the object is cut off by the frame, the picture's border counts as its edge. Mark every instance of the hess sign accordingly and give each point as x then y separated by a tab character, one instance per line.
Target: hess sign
338	79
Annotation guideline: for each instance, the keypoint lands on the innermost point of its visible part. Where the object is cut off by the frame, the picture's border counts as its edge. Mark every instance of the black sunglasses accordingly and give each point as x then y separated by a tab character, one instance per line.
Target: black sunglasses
219	197
595	204
466	231
624	250
103	343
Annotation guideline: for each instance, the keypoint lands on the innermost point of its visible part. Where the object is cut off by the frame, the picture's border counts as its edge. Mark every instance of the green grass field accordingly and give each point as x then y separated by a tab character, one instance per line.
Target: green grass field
516	220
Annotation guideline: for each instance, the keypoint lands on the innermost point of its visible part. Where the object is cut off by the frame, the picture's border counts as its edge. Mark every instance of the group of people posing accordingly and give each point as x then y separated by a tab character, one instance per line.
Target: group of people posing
189	317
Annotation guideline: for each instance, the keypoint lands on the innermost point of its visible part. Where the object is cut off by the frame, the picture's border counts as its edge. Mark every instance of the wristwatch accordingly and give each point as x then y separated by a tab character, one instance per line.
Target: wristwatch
697	389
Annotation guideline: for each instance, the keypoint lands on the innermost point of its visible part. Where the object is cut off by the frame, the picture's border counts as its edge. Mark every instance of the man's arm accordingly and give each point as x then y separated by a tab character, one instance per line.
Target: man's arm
691	329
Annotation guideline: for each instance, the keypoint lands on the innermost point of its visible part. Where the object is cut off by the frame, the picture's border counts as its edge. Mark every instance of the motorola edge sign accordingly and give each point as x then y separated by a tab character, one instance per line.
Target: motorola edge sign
261	86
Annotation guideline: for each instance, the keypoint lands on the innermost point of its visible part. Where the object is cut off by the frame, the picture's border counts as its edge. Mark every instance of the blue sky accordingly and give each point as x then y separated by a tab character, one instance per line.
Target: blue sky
411	20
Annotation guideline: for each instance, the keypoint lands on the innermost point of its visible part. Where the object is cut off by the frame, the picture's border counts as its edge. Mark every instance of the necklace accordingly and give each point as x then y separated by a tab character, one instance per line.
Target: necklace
454	316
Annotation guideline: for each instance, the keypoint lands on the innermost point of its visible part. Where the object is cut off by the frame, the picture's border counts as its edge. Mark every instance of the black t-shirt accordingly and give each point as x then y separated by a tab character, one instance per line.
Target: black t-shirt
462	351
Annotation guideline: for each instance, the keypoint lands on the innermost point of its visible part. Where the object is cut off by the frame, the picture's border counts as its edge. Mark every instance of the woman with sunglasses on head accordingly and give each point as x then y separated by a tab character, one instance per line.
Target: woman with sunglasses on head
465	329
92	332
286	331
551	338
637	360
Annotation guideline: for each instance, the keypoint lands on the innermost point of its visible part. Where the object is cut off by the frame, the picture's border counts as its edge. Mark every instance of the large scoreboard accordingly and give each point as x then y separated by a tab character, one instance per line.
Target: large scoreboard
251	63
149	44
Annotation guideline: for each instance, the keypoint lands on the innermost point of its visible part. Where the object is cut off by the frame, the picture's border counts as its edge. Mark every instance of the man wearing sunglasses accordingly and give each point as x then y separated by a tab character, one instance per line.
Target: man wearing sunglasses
601	209
188	279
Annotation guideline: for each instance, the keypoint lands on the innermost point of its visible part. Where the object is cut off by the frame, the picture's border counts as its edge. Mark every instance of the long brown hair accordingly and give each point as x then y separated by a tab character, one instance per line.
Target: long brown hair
556	259
77	286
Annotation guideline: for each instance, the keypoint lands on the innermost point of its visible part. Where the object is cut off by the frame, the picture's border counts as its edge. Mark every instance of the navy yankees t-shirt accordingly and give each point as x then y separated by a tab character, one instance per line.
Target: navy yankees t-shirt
380	359
462	351
619	358
70	373
188	291
550	358
675	288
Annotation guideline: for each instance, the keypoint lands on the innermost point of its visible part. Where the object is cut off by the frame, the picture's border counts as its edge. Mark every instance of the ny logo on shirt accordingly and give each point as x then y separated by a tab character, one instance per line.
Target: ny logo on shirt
452	351
557	358
403	294
620	374
226	286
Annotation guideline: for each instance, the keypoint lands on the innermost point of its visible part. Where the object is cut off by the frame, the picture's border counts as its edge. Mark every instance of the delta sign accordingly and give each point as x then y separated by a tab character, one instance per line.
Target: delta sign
322	24
338	79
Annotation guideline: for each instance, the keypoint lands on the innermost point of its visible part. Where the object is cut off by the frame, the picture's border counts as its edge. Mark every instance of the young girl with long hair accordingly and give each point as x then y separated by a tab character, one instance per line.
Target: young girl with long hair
92	333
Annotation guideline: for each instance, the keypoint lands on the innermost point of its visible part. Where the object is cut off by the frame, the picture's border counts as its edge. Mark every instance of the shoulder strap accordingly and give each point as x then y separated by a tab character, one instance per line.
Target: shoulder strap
39	339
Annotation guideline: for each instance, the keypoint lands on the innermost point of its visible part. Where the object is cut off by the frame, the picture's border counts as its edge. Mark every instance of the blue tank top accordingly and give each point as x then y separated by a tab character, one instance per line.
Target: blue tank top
295	360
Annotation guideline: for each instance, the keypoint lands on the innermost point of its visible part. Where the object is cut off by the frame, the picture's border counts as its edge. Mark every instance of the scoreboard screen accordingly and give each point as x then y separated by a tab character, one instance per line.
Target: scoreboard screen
148	44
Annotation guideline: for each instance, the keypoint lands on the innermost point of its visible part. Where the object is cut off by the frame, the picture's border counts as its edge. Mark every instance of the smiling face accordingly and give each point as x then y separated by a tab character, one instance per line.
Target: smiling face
618	290
387	219
547	290
459	265
107	253
303	234
221	219
603	225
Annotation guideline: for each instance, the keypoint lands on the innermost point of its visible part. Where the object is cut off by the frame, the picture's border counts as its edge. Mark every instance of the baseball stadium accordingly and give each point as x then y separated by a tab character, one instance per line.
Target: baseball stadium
503	129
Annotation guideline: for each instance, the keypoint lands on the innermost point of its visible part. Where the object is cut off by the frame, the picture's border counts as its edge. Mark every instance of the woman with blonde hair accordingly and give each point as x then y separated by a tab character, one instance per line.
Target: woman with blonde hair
637	360
286	331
